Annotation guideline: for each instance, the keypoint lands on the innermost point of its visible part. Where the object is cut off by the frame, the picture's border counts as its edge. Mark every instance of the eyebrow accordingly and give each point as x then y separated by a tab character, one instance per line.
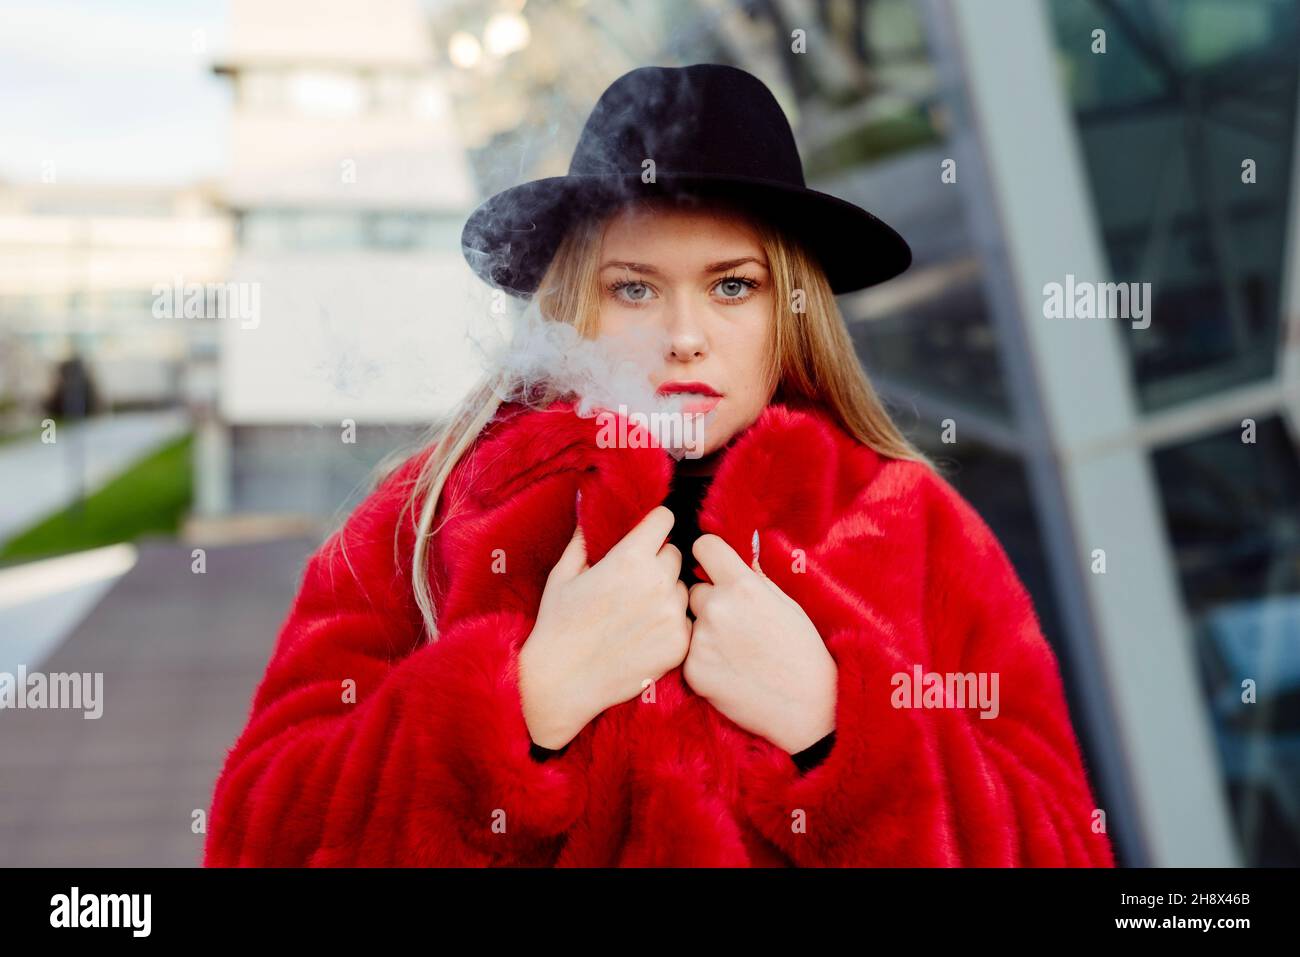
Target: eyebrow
649	270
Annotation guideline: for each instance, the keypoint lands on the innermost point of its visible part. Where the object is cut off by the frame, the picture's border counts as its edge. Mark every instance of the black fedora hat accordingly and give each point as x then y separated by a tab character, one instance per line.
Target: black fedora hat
708	130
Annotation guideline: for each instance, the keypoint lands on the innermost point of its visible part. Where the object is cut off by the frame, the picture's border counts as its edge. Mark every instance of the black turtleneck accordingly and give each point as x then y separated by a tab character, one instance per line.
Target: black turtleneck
685	495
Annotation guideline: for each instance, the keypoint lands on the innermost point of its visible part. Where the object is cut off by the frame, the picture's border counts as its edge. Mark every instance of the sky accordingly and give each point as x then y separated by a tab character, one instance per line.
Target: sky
119	92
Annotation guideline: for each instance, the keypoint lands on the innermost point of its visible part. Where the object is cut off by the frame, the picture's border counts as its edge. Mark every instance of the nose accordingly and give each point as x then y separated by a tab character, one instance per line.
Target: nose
686	339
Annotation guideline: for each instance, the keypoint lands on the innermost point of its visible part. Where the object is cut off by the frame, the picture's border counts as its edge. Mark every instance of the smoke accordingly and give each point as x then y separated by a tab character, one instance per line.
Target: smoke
609	374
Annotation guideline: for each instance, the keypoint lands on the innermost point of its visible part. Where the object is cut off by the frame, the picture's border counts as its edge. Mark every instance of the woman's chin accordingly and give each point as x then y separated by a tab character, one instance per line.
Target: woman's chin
711	434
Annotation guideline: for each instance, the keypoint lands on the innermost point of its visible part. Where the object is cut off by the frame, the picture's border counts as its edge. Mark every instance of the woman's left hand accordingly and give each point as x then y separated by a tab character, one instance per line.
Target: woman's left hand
754	653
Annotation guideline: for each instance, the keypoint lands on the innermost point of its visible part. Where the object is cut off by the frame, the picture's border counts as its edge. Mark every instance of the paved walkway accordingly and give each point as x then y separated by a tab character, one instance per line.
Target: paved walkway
41	602
39	479
181	655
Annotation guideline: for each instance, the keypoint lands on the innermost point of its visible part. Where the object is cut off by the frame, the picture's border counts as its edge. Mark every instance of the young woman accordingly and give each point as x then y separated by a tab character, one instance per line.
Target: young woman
798	646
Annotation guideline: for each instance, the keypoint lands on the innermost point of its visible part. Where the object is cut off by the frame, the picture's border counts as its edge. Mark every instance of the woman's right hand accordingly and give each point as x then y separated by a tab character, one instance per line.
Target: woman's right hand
603	630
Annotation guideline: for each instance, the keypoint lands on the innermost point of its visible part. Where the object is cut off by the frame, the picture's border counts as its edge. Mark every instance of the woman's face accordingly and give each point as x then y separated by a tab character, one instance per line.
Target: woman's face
700	279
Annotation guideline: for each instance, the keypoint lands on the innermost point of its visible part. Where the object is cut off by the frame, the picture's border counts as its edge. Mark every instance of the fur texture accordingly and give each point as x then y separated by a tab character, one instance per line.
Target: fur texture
428	763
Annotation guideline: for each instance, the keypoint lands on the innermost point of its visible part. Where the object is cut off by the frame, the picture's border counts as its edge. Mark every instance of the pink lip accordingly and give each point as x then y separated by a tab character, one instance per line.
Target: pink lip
704	388
702	405
705	400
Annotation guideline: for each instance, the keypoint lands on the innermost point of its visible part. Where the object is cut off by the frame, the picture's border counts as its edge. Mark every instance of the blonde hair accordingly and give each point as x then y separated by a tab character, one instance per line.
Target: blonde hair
811	358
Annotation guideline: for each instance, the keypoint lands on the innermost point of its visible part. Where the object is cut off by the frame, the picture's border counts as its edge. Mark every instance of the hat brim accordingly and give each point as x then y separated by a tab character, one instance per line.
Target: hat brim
511	238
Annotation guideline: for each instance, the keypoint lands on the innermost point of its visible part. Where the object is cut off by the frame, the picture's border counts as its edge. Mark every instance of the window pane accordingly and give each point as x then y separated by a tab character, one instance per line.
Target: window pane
1183	95
1232	510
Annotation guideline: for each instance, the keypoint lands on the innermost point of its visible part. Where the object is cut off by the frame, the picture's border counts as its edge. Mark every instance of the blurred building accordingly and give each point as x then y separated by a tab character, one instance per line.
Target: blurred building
80	268
1177	151
348	188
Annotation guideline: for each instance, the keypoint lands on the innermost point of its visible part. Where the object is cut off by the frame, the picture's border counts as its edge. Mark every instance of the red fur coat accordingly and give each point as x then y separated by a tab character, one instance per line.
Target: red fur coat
366	747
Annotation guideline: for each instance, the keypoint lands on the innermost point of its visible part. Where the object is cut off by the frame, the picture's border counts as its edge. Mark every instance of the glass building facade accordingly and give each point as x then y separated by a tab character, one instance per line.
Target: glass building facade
1186	126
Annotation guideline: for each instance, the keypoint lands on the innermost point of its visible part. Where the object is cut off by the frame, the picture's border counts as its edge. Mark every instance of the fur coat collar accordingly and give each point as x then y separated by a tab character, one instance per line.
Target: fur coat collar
429	763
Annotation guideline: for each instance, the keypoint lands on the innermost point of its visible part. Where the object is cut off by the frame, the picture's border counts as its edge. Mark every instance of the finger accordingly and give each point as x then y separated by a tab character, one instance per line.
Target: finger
650	533
757	567
573	560
671	556
699	596
719	559
683	595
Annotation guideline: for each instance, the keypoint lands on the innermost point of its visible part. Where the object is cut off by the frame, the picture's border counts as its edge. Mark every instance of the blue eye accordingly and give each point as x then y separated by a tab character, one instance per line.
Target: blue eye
636	292
630	291
735	288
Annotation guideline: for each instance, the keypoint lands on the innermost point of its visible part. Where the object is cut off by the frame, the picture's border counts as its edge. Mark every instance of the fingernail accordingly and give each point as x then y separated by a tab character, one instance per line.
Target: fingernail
754	544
